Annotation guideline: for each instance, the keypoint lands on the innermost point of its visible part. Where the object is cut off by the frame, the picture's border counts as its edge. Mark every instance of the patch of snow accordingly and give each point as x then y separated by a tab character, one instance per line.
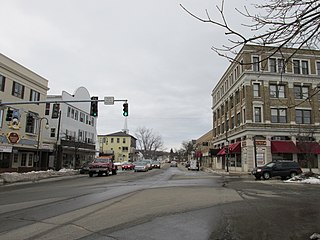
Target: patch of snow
307	178
35	175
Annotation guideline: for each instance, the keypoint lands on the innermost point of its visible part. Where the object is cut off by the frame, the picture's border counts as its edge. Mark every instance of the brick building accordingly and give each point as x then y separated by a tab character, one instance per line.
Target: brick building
266	107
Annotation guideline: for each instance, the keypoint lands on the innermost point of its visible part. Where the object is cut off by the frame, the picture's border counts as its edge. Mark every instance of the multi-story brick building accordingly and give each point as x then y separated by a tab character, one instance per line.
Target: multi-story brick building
120	145
265	106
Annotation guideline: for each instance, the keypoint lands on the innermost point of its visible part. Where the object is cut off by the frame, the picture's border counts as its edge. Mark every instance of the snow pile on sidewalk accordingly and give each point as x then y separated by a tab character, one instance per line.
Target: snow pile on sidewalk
308	177
35	175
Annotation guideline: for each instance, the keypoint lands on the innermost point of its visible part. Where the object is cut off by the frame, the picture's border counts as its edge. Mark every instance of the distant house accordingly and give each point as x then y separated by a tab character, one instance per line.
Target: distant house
121	145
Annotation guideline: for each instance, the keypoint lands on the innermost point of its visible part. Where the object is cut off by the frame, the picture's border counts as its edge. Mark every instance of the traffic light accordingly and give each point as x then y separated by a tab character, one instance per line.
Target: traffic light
30	119
94	107
55	110
9	115
125	110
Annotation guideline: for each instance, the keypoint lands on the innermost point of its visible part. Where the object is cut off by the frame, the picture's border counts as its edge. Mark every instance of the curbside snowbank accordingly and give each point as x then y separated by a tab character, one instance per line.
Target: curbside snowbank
34	175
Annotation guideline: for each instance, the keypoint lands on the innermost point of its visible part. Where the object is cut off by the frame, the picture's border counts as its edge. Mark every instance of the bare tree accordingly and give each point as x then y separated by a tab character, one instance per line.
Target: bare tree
276	24
187	148
148	141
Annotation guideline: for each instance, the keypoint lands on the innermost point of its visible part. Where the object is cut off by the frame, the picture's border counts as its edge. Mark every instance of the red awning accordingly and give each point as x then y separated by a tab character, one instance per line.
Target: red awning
221	152
283	147
309	147
235	147
232	149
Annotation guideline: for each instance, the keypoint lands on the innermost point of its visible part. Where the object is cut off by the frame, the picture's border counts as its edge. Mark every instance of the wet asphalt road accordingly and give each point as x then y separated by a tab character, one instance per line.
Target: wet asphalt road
170	203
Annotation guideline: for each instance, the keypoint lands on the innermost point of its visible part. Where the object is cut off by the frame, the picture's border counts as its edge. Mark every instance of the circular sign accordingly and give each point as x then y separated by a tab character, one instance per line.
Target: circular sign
13	137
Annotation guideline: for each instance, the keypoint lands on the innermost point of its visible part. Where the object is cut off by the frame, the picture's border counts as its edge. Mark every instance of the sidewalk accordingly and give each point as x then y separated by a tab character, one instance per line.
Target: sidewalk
223	172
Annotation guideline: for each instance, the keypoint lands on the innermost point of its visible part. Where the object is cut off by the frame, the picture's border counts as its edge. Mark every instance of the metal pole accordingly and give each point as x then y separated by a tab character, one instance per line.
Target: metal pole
38	144
255	151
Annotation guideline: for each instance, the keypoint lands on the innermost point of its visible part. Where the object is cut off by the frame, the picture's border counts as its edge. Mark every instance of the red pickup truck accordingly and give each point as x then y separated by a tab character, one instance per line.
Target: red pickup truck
102	165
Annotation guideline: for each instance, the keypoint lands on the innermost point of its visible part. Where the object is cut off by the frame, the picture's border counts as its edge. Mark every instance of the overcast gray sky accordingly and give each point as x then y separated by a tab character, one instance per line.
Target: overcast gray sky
150	52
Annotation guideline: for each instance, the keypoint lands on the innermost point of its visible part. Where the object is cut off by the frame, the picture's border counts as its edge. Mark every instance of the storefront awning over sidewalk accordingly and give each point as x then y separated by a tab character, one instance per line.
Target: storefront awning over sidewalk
232	149
309	147
283	147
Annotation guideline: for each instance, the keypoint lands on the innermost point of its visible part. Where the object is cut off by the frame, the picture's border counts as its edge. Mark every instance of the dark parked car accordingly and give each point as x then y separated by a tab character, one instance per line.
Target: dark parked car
283	169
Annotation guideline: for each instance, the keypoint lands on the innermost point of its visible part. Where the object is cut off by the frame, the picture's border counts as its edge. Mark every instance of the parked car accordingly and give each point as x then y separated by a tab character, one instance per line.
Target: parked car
173	164
149	163
127	166
156	164
283	169
141	166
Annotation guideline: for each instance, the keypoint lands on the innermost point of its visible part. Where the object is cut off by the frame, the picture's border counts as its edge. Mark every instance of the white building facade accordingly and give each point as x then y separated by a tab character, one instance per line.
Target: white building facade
72	129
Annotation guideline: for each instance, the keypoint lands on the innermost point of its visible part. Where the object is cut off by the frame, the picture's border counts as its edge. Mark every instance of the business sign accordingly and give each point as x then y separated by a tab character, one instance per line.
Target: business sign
13	137
6	149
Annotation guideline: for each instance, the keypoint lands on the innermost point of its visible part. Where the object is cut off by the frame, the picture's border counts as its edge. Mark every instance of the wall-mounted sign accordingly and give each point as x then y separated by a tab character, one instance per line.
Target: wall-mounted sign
13	137
7	149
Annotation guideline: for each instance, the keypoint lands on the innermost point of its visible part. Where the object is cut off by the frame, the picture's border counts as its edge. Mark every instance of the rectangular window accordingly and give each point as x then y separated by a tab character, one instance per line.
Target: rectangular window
296	66
222	128
255	64
52	132
272	65
2	82
300	67
47	109
281	66
17	90
227	125
231	102
124	140
257	114
279	115
232	122
256	90
238	119
237	96
277	91
303	116
111	140
68	111
301	92
30	159
318	68
72	113
23	162
118	140
305	67
81	117
34	95
76	115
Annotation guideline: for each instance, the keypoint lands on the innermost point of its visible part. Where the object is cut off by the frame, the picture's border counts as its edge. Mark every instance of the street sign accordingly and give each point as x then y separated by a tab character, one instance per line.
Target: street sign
108	100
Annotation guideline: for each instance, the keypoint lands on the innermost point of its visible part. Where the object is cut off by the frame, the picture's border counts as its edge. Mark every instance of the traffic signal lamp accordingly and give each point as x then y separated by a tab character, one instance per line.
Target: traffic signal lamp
9	115
94	107
55	110
125	110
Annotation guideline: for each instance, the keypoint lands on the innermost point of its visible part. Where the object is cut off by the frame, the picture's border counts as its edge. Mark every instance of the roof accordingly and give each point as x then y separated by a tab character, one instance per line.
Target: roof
117	134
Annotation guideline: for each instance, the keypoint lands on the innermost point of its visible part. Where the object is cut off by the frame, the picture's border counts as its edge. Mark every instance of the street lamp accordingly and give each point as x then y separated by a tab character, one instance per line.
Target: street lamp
39	133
